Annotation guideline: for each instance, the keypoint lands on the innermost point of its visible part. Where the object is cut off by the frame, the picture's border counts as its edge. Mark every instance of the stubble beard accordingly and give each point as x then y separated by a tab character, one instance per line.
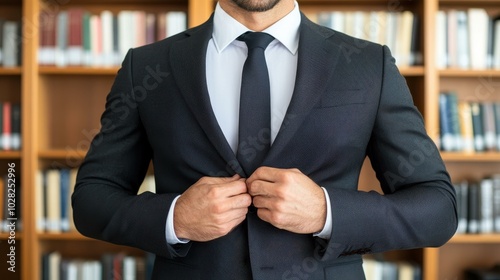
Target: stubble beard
256	5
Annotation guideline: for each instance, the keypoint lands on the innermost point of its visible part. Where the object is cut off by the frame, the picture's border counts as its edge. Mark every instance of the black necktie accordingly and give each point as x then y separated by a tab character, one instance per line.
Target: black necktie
255	106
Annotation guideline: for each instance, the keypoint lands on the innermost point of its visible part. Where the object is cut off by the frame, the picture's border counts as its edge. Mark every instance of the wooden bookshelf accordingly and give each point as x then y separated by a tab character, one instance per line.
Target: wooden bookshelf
61	107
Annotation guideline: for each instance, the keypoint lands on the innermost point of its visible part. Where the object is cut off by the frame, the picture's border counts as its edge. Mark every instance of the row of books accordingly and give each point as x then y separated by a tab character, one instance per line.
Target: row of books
77	37
468	39
386	270
478	206
109	267
10	43
398	30
468	126
53	191
10	204
10	126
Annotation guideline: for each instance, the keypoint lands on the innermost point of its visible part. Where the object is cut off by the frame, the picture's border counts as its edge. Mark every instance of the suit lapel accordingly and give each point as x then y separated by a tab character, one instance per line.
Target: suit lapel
188	59
316	63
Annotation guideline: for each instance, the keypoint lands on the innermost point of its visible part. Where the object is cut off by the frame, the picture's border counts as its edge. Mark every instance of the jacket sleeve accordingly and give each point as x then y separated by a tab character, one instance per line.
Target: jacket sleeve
105	201
418	208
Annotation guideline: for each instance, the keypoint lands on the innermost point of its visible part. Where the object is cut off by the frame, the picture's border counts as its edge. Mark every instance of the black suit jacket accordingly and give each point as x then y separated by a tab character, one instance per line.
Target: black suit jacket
349	102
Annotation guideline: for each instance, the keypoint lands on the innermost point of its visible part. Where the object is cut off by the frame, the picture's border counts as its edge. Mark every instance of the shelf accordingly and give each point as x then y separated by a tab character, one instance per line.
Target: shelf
10	71
62	154
464	73
69	236
10	154
6	235
412	71
52	70
471	157
475	238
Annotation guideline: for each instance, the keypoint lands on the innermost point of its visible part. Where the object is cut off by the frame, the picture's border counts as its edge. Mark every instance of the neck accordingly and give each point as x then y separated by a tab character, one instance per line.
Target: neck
257	21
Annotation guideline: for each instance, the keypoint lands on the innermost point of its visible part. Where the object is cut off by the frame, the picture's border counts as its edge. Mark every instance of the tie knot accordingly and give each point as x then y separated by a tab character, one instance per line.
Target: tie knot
256	39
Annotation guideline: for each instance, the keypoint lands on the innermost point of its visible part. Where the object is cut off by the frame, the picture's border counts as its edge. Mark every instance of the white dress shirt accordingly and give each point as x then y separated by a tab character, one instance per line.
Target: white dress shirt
224	65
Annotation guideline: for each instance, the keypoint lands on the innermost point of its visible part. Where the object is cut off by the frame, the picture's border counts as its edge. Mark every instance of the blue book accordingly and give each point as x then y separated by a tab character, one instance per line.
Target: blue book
65	199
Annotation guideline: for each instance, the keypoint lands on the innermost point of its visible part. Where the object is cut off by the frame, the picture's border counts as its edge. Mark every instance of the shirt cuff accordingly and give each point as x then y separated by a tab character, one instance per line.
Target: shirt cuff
327	229
169	227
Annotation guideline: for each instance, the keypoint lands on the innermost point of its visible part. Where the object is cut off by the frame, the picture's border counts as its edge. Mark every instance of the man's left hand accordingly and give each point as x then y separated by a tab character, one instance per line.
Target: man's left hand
288	199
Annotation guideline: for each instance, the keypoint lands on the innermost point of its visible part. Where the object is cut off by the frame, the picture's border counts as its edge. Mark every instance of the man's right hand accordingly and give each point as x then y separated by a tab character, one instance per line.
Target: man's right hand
211	208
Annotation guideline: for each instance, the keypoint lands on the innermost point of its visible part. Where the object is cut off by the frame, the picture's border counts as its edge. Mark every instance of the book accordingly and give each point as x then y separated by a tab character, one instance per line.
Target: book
441	40
496	43
466	126
62	39
478	31
496	202
473	224
7	126
490	135
1	126
497	123
65	199
477	125
11	43
462	194
75	37
16	126
449	122
486	205
47	48
462	43
53	201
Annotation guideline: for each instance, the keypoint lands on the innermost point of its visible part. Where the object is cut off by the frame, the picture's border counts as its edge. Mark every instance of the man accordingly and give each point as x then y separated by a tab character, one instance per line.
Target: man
298	215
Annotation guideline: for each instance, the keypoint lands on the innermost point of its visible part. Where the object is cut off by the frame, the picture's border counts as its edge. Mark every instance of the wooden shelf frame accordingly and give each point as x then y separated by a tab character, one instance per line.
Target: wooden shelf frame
38	88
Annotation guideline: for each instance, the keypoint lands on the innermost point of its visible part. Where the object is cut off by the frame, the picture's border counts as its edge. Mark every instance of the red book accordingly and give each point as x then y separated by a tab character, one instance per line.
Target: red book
7	126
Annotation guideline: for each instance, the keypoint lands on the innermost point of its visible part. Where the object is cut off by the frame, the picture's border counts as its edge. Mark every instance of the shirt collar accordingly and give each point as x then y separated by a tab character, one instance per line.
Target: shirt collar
227	29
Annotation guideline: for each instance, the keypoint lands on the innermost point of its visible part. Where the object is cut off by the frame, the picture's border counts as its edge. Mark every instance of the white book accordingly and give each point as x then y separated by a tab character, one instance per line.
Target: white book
451	28
359	25
125	25
379	22
496	45
486	194
405	30
372	269
72	271
54	265
478	35
107	38
176	22
11	44
338	21
53	201
441	39
129	265
496	202
391	30
462	43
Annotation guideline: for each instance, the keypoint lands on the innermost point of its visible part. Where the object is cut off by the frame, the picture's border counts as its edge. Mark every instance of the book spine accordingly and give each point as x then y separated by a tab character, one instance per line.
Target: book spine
477	122
7	126
486	195
16	126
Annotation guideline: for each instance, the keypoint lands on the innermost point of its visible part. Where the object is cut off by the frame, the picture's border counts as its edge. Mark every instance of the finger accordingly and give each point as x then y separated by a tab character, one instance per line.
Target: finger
263	173
227	189
262	188
262	202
